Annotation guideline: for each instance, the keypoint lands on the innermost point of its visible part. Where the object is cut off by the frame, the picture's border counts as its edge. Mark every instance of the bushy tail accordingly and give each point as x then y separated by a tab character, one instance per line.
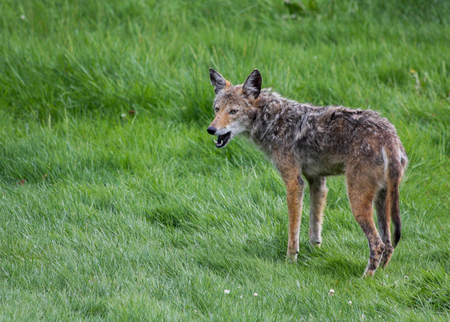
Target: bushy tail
396	166
393	202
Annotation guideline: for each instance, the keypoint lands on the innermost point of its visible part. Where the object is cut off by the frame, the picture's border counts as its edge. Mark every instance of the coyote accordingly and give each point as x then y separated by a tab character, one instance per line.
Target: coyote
302	139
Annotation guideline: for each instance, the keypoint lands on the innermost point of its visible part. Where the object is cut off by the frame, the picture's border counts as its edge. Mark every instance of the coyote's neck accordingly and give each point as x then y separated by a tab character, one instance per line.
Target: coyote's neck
276	120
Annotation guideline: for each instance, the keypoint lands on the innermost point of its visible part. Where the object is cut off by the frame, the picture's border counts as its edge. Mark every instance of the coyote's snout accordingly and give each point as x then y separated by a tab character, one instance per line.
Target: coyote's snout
315	142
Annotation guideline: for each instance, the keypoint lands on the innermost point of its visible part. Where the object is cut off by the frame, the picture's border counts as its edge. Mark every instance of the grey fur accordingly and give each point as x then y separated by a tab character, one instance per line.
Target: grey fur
316	141
312	133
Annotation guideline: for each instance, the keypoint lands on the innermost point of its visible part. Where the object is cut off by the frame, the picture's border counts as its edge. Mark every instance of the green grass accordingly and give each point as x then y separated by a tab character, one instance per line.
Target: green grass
140	217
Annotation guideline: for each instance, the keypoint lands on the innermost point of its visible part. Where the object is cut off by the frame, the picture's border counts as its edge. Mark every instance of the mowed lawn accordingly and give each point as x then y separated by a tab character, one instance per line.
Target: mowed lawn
115	205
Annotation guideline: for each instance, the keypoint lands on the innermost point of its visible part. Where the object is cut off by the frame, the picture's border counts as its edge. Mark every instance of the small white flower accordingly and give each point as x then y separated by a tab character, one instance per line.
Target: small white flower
240	296
349	302
255	294
123	115
406	277
227	291
331	292
22	17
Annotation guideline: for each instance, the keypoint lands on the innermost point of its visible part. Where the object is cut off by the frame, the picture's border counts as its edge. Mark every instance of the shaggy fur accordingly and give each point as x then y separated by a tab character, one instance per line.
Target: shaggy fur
315	142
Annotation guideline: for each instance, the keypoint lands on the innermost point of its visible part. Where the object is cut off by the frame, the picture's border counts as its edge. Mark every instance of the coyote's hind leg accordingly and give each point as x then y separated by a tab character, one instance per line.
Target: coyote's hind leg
384	225
361	194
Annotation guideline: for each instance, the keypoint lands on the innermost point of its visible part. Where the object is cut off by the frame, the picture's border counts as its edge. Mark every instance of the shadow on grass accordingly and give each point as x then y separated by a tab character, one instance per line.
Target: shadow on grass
170	215
91	308
324	261
337	266
168	210
254	254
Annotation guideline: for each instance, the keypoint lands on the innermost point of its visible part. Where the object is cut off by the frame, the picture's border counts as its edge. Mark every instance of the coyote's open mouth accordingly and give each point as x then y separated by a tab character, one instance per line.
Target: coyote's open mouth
222	140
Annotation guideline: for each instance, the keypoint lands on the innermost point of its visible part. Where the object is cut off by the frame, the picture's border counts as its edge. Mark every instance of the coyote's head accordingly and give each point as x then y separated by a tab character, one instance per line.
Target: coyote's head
234	106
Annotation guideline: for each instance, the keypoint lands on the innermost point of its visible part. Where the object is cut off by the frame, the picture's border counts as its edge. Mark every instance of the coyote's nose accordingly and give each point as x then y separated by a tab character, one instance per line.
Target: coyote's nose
211	130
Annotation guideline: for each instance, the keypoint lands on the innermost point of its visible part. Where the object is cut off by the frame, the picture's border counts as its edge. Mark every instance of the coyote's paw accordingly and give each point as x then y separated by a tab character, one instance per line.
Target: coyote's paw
291	256
374	260
315	243
386	255
314	239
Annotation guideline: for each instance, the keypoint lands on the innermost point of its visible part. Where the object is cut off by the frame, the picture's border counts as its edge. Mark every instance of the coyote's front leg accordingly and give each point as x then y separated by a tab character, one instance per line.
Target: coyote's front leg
292	178
318	193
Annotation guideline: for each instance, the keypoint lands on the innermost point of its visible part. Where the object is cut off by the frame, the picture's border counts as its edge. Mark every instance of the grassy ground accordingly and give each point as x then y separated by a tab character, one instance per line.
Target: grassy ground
140	217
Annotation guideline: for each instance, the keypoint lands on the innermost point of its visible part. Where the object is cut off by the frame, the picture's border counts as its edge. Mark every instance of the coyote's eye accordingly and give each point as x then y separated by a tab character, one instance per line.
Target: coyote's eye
233	111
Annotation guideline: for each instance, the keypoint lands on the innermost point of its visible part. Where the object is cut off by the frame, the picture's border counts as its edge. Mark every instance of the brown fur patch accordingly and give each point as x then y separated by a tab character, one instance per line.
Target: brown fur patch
319	141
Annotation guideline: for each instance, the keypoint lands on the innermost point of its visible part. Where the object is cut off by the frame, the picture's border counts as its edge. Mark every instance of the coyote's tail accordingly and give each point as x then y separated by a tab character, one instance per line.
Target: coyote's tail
396	165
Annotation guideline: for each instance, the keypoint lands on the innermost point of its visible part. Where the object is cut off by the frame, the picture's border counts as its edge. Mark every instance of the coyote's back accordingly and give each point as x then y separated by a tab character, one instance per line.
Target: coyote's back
316	142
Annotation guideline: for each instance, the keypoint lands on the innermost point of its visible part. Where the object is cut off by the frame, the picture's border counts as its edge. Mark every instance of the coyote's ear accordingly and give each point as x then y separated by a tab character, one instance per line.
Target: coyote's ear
218	81
252	85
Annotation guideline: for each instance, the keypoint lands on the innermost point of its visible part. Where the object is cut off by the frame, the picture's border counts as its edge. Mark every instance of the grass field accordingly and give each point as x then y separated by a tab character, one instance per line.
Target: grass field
108	214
